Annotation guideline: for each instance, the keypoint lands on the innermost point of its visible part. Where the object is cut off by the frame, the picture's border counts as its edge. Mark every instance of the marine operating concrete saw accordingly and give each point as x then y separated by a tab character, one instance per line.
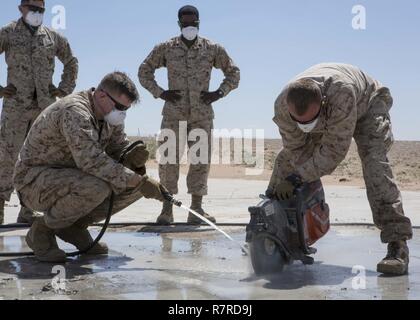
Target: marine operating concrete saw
283	231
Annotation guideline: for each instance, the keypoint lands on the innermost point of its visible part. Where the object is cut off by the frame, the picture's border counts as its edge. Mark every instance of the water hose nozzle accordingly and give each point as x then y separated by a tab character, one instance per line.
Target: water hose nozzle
170	198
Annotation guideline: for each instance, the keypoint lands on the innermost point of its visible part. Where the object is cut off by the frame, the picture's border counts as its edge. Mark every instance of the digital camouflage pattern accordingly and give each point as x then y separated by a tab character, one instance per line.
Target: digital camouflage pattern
189	70
357	106
71	196
198	173
31	62
68	135
69	166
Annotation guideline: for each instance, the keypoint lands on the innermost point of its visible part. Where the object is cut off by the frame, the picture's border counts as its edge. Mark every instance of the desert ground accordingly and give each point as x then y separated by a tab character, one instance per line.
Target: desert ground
404	157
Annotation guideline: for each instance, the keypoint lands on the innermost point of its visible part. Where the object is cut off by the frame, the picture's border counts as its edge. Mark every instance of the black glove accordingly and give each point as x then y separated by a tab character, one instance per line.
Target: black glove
8	92
135	158
171	96
55	92
285	189
210	97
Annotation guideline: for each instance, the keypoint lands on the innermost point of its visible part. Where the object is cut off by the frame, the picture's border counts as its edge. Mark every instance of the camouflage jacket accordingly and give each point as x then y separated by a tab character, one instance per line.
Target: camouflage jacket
31	62
349	94
68	135
189	70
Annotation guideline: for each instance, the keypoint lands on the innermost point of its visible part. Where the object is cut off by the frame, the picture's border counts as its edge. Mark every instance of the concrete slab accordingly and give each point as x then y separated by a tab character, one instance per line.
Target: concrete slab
204	265
229	200
182	263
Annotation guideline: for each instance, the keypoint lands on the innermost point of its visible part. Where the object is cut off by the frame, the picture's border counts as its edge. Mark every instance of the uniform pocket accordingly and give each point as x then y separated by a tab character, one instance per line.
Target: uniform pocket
383	130
381	101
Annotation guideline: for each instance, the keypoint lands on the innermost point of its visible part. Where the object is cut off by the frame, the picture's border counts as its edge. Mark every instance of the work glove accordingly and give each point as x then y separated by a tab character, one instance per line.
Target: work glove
8	92
210	97
151	189
136	158
171	96
284	190
56	92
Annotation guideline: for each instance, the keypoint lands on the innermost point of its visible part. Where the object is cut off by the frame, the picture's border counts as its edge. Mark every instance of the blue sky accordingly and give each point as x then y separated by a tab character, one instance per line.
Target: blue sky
270	40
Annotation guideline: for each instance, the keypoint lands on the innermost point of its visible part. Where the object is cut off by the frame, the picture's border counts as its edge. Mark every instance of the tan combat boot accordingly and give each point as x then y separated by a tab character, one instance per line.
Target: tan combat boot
167	215
41	240
396	262
2	203
27	216
196	205
192	219
81	239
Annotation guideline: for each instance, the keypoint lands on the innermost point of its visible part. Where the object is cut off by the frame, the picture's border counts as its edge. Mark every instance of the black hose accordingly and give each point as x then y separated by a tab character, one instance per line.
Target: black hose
20	226
101	234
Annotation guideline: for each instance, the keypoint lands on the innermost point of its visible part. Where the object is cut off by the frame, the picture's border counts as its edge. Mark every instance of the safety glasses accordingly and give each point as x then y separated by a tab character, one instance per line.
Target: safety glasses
34	8
189	24
306	122
118	105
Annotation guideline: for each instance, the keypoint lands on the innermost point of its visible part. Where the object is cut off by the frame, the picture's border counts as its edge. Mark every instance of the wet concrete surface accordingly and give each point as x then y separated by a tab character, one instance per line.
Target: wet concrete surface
185	264
229	200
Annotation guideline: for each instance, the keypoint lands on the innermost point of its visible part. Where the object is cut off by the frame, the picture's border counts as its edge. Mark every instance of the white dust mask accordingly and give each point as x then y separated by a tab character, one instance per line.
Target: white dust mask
190	33
307	128
116	117
34	19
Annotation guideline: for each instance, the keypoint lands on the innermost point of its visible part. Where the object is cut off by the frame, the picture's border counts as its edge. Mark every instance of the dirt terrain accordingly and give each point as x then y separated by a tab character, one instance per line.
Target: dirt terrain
404	157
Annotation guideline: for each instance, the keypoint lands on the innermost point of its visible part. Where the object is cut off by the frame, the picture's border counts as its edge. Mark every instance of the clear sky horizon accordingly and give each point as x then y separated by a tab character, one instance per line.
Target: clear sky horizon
270	40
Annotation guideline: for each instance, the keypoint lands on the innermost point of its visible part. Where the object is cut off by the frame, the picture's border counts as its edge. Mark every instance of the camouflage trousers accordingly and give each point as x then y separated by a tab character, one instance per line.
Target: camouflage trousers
374	139
14	127
175	135
69	196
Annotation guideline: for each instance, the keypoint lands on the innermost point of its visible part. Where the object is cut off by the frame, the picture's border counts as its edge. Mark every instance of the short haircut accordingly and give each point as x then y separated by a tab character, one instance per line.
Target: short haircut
302	93
27	1
119	83
188	10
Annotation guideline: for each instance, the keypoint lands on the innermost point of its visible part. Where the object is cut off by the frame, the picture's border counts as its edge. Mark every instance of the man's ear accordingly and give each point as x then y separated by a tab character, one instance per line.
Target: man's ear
20	9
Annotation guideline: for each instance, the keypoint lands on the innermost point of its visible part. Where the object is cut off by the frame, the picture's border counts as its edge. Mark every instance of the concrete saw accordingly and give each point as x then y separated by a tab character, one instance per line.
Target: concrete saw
283	231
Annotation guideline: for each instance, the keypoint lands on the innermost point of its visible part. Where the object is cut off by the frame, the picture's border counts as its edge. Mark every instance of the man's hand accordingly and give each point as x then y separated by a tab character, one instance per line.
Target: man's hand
56	93
171	96
8	92
282	191
210	97
151	189
136	159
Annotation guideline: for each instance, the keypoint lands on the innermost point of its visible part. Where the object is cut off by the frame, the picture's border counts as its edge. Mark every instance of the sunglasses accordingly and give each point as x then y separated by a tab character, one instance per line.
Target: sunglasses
189	24
34	8
118	105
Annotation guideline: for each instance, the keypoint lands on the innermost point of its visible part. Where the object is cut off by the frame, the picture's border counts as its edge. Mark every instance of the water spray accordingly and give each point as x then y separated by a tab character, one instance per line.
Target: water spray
170	198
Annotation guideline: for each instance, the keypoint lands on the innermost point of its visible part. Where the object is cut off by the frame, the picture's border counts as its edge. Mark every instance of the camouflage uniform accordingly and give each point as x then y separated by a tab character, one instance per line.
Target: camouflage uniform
189	70
68	164
31	60
357	107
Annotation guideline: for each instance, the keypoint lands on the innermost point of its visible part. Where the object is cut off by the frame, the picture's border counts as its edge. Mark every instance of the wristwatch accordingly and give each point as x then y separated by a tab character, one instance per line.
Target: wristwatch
221	93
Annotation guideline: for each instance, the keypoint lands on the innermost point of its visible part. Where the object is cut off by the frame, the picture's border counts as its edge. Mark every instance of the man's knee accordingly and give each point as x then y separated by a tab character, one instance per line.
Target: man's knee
93	190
